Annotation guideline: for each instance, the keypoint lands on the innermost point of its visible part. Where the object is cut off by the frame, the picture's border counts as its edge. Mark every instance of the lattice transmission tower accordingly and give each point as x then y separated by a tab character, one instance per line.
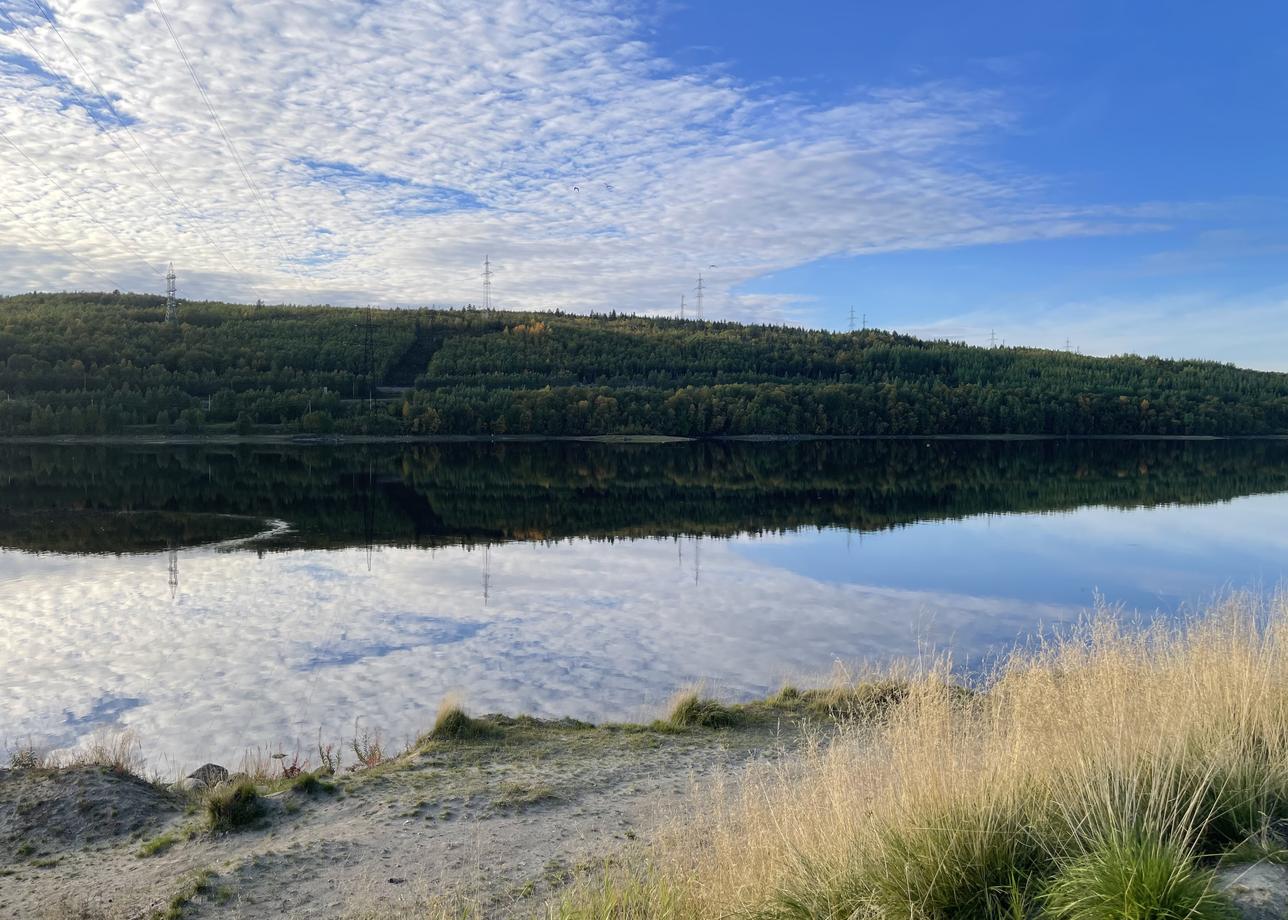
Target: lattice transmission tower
171	307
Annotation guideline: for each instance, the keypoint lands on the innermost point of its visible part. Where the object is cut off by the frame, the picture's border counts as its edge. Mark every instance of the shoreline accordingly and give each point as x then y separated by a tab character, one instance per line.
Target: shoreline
334	440
1145	766
510	810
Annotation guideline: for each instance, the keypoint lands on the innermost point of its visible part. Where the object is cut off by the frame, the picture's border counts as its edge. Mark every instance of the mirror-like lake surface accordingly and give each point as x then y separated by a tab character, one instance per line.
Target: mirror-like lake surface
216	598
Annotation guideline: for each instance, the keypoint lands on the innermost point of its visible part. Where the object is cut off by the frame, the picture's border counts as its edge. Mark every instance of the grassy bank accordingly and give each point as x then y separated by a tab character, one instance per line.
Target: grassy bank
1106	775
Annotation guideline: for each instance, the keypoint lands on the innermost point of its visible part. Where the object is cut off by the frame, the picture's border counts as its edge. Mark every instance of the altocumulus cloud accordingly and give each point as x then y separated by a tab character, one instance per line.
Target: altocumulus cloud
393	144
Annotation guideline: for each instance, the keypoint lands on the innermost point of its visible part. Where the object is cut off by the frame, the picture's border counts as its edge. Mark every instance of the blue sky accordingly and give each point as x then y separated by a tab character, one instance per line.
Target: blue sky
1106	174
1184	103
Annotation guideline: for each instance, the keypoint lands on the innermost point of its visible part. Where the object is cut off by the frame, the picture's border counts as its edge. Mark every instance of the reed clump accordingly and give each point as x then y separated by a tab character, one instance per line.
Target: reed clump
1104	774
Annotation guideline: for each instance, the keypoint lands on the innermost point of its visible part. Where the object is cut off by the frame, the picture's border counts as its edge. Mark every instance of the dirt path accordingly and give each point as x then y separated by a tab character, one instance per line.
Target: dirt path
504	822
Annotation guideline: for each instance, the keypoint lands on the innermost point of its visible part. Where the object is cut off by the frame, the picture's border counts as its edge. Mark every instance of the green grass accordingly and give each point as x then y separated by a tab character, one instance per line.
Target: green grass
312	784
194	886
1135	877
158	844
233	806
961	865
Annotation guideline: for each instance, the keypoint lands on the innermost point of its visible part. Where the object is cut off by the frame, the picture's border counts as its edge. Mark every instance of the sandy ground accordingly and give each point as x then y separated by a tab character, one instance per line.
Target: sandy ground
505	823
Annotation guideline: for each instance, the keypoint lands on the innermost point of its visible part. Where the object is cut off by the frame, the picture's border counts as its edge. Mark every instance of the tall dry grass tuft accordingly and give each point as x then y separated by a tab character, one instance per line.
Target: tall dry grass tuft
115	749
1110	766
453	724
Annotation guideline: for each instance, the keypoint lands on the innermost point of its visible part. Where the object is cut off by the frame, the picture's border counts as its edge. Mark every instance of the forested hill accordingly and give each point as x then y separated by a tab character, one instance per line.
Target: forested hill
110	364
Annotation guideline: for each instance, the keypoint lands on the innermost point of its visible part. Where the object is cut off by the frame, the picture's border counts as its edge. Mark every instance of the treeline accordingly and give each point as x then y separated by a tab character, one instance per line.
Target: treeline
109	364
118	499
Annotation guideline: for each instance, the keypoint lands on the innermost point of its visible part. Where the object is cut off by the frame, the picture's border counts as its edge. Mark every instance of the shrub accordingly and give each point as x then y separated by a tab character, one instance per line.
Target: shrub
26	758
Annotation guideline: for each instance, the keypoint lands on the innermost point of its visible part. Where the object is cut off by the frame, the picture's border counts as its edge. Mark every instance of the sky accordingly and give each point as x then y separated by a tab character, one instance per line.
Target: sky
1103	176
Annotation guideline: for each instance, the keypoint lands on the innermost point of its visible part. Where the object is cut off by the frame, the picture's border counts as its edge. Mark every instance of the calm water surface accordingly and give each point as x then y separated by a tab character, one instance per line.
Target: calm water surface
215	598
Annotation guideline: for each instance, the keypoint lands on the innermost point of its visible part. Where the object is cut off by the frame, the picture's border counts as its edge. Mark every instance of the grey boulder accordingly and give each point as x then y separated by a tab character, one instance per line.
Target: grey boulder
210	774
1259	891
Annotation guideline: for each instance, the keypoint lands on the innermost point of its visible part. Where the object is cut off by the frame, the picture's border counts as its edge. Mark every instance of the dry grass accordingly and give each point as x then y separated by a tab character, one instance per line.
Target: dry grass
113	749
691	709
453	724
1110	767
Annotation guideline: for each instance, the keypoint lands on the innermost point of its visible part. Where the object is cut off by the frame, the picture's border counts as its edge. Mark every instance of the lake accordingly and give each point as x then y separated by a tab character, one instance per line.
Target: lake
219	597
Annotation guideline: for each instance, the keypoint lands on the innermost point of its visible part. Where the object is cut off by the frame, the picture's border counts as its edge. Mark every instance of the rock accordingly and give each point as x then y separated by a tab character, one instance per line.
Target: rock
189	784
210	774
1259	891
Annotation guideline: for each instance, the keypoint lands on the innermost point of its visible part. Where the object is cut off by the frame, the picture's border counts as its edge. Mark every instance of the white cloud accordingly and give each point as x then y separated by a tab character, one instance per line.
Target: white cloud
398	142
302	639
255	649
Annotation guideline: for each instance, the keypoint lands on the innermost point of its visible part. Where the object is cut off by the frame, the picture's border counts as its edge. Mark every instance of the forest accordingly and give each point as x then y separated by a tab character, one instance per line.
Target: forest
109	364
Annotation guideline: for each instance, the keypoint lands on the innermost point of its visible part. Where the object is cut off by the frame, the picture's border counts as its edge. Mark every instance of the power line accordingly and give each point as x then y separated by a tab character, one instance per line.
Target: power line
241	166
84	266
116	236
175	199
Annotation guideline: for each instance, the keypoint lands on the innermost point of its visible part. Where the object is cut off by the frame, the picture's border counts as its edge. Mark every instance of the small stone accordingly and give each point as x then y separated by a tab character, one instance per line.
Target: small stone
396	881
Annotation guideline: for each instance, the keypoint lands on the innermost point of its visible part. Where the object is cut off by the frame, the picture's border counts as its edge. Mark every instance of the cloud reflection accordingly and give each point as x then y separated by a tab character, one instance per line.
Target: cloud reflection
258	650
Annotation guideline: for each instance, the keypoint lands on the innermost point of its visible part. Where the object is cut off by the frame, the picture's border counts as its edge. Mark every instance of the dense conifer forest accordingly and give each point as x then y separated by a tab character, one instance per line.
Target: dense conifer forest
109	364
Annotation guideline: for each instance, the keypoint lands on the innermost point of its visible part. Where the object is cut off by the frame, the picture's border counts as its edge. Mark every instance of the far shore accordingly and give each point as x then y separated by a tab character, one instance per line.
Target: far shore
301	439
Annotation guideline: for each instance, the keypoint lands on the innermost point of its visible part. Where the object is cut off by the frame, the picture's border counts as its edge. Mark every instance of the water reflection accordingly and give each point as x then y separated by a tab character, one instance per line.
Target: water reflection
569	579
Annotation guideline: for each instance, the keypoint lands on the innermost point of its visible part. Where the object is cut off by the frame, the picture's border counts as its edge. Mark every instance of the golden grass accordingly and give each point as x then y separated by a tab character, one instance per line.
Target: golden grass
453	724
113	749
1109	757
